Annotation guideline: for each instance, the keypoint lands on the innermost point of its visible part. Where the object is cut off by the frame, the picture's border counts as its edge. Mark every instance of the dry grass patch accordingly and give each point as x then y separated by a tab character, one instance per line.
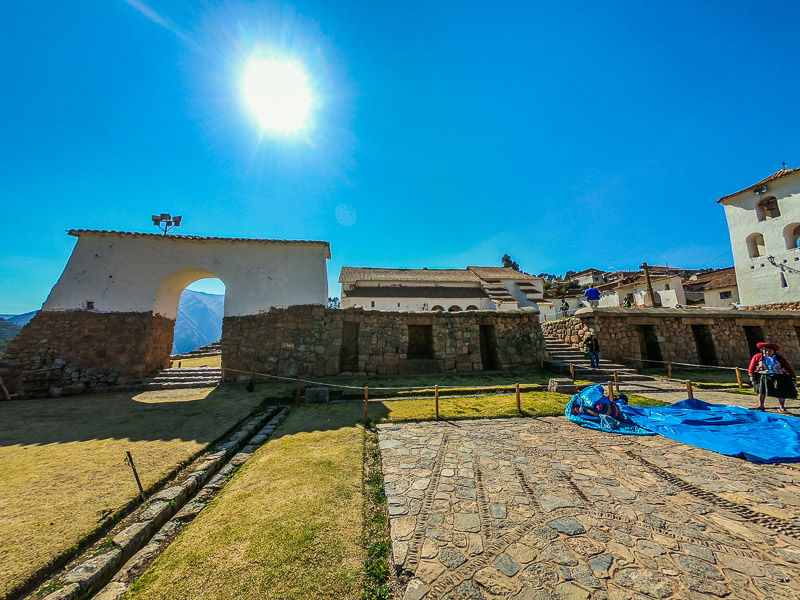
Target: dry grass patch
203	361
62	474
289	524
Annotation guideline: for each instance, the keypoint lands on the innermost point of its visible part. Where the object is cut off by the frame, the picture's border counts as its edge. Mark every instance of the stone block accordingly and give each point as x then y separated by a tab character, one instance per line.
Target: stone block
562	386
317	395
90	574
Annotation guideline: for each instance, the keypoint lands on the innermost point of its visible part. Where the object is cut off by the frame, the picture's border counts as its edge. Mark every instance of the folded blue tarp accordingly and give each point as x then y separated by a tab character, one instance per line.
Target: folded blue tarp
759	437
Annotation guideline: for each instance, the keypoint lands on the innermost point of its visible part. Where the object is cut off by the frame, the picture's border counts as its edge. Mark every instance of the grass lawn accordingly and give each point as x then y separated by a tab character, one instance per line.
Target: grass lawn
392	386
203	361
62	474
702	378
288	525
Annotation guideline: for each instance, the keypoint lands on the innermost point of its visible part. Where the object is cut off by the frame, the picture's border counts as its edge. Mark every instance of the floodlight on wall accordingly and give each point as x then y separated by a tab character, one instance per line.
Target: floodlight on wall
759	190
166	221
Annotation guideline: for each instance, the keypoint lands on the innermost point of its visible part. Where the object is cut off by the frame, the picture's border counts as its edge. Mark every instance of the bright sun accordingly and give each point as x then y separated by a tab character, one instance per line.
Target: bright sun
277	93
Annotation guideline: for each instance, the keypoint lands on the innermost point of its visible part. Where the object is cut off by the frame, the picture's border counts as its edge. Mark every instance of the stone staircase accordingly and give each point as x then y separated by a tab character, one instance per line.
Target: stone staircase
497	292
212	349
184	377
561	355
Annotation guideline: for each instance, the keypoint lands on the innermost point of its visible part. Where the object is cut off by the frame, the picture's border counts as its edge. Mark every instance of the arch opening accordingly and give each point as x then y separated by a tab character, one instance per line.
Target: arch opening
767	208
755	245
201	308
454	308
792	236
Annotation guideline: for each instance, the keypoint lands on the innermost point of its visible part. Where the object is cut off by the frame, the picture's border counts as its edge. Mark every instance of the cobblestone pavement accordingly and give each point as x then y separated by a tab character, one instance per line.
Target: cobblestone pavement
533	509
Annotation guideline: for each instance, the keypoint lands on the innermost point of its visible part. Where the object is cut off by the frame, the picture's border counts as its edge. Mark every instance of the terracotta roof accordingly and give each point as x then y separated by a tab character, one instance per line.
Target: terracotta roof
106	232
500	273
413	291
587	271
773	177
720	278
633	280
354	274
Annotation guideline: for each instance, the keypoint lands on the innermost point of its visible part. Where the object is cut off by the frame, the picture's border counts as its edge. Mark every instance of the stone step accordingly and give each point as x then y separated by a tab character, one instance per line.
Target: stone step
175	385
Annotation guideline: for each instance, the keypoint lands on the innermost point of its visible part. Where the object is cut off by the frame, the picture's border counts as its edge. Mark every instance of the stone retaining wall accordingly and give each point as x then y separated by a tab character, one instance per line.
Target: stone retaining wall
71	351
621	332
777	306
308	341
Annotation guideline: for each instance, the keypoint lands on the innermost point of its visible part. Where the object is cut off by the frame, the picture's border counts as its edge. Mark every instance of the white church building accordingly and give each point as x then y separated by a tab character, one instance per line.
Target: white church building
764	225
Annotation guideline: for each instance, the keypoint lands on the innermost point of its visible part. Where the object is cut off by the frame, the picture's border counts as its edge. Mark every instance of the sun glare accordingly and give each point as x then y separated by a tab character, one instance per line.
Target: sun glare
278	94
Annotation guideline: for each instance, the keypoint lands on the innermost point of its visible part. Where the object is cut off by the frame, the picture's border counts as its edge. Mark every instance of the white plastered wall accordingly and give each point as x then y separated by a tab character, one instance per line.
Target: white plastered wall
126	273
712	297
415	304
759	280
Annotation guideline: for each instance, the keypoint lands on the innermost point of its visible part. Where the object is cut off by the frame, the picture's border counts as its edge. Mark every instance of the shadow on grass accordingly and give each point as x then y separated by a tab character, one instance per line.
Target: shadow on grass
191	414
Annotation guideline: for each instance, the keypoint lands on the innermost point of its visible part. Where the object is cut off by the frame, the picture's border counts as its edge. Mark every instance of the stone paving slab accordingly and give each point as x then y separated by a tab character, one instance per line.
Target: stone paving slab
533	509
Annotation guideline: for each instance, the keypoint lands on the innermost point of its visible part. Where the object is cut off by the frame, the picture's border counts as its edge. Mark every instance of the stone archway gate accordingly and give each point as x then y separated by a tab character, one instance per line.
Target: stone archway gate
111	315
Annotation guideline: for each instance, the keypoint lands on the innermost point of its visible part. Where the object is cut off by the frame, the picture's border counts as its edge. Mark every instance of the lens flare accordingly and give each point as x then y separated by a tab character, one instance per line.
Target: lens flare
278	94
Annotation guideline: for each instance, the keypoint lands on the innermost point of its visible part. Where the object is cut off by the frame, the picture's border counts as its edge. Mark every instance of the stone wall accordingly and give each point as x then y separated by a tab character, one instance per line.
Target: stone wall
69	351
308	341
776	306
620	333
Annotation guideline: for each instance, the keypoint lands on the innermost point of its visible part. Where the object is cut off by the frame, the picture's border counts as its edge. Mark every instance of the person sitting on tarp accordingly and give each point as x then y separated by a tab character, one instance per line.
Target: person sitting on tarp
593	409
772	375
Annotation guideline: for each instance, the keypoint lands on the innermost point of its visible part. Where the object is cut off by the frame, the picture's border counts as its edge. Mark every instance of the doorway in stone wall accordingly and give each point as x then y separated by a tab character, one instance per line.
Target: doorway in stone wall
649	346
488	348
420	342
348	356
706	352
200	311
754	335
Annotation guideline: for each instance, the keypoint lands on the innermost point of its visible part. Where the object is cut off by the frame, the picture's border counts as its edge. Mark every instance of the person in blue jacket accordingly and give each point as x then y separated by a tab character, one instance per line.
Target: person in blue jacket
592	295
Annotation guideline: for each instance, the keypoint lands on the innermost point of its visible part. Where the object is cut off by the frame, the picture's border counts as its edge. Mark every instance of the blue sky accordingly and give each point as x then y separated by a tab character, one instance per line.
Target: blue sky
570	135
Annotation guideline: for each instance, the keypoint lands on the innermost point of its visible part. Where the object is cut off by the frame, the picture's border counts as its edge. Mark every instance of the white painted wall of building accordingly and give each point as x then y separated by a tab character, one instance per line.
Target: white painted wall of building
141	274
712	297
416	304
518	295
759	281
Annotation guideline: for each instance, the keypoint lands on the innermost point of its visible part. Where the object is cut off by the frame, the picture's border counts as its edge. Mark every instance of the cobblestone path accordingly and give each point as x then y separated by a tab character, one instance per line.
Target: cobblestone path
533	509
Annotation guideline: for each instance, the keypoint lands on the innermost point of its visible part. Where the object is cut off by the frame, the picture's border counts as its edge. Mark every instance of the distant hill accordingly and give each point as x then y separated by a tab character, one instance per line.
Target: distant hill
7	331
199	320
20	320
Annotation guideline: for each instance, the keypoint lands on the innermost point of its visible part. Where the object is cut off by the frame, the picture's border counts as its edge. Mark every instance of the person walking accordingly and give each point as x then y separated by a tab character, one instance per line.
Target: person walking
592	294
772	375
593	349
564	307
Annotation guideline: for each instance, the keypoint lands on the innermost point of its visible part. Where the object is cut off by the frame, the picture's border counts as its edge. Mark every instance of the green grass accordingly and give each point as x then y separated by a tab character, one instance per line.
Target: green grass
289	525
62	470
352	387
708	378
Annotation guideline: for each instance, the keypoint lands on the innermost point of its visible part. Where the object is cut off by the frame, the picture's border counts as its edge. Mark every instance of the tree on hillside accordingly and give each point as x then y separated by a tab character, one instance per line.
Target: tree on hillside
509	263
334	302
569	274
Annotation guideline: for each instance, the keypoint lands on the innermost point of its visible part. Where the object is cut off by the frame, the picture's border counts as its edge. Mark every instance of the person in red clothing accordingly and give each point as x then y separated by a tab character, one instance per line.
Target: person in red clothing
772	375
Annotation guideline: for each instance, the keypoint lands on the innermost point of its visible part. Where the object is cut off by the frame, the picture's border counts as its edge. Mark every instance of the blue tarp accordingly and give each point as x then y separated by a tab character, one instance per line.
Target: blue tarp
759	437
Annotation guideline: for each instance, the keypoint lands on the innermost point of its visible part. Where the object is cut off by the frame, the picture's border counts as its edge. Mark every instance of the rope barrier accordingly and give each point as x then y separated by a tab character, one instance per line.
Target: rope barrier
362	387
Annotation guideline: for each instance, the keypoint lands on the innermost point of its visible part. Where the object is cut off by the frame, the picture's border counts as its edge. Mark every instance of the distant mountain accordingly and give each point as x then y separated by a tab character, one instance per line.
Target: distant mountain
20	320
199	320
8	329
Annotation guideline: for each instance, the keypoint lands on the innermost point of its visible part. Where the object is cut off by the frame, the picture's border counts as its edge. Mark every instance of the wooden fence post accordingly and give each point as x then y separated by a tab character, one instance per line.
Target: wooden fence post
616	381
669	370
297	396
738	376
689	390
610	391
436	397
572	370
366	401
129	460
519	407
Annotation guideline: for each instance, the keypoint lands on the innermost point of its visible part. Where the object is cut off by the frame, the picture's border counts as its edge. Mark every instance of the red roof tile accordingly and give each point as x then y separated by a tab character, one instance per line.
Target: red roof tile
773	177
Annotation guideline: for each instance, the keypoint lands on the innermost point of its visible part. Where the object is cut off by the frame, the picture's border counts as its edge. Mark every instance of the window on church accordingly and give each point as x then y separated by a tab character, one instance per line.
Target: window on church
767	208
792	236
755	245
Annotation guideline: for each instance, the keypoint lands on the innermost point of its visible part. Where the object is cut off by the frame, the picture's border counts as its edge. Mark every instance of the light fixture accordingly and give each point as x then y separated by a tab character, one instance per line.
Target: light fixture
166	221
760	190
